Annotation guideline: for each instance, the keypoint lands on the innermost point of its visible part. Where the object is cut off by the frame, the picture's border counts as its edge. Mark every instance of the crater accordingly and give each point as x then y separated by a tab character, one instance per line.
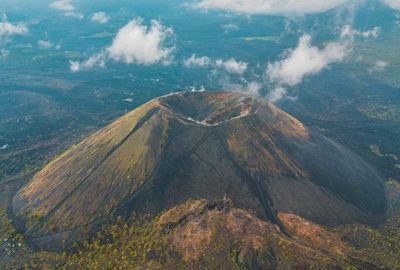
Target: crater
210	109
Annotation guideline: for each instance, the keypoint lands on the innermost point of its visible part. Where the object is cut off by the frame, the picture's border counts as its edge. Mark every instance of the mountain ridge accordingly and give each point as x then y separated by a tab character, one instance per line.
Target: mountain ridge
204	146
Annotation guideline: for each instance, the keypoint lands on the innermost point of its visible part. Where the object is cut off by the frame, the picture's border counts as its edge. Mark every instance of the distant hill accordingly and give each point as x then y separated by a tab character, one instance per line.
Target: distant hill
204	146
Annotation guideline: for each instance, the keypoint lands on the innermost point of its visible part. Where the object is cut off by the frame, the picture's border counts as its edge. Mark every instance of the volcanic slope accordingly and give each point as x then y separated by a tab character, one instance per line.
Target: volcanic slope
199	145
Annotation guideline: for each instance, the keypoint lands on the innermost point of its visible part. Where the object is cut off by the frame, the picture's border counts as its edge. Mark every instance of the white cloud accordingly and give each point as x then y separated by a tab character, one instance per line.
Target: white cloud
135	43
379	66
100	17
277	94
253	88
63	5
348	31
194	89
76	15
305	60
98	60
232	66
197	61
75	66
140	44
4	147
269	6
8	29
4	53
230	27
45	44
68	9
225	73
395	4
278	7
374	32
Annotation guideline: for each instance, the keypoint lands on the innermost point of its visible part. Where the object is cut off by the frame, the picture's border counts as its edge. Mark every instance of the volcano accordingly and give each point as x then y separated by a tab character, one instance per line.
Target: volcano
199	145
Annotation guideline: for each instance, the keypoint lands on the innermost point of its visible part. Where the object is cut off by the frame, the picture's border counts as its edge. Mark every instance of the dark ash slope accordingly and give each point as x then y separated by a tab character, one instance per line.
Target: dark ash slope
199	145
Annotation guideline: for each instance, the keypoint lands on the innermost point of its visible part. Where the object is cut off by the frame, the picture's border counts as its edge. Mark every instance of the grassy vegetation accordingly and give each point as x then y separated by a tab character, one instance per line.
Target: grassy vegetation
381	112
6	228
381	246
383	49
118	246
201	235
122	246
